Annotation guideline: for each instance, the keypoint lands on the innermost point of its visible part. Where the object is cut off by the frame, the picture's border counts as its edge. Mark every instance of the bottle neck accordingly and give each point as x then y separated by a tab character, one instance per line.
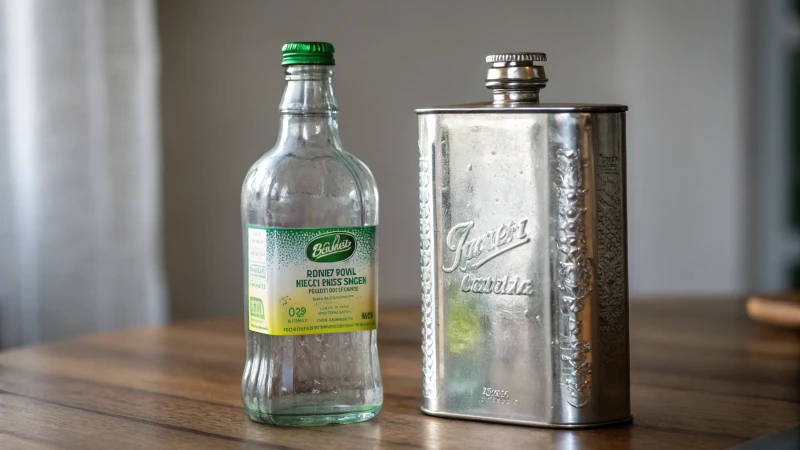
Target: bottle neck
308	107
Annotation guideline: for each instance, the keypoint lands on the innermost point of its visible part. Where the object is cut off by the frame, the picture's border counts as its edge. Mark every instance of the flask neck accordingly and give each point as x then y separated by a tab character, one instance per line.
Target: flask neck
513	82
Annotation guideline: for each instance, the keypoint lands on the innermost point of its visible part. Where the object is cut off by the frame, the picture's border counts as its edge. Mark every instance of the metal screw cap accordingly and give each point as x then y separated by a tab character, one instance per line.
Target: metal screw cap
307	53
516	77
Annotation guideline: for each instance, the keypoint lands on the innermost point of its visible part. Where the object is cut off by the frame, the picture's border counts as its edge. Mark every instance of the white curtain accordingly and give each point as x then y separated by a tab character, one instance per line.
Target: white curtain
80	210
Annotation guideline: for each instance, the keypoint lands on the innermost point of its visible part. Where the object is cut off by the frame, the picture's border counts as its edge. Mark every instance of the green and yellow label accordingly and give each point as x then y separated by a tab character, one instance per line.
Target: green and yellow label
311	280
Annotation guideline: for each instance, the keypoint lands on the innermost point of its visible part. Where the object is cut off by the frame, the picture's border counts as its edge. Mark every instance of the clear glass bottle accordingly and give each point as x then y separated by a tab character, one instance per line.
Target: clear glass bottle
307	187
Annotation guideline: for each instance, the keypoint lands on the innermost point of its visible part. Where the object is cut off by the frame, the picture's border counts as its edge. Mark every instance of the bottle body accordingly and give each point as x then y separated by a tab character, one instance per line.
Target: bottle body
308	185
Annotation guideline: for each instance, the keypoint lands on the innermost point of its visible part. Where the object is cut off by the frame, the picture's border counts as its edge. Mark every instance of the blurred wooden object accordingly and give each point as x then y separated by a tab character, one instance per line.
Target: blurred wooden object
779	310
703	376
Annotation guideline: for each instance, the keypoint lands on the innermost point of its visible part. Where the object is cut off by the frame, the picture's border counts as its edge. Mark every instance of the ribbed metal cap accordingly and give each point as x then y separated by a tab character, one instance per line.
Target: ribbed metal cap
516	57
320	53
516	77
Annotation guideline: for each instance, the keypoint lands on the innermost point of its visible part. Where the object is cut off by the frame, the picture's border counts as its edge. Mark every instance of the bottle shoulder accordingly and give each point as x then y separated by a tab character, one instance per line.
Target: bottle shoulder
362	170
308	167
310	182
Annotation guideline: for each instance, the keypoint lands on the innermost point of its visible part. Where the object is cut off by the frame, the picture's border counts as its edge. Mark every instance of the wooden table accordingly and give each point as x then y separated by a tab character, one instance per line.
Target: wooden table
703	377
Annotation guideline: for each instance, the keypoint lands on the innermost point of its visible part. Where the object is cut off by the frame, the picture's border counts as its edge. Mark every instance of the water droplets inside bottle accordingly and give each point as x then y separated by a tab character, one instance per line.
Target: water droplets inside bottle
311	379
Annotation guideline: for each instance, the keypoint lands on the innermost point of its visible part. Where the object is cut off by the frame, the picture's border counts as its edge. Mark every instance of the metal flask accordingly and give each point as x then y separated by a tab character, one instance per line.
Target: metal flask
523	256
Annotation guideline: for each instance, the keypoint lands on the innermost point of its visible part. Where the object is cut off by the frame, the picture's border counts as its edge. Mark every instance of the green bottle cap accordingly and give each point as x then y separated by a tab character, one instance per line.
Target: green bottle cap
307	53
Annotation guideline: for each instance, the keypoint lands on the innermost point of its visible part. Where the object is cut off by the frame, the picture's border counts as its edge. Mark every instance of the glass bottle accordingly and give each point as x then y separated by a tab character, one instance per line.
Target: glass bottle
309	217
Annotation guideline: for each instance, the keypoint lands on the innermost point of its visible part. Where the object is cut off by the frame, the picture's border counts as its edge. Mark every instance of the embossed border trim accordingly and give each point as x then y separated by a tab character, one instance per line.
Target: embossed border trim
426	255
611	261
574	275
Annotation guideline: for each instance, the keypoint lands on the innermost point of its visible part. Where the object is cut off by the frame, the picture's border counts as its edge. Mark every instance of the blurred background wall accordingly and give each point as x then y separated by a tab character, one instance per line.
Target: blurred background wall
80	179
126	127
681	66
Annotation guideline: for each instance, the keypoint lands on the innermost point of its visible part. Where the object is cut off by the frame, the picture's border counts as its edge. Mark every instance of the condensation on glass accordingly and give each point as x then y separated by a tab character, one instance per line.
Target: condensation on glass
308	181
523	256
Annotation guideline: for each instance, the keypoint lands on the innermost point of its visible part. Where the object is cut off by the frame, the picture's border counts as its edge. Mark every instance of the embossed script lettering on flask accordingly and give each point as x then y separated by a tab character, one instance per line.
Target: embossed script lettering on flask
524	258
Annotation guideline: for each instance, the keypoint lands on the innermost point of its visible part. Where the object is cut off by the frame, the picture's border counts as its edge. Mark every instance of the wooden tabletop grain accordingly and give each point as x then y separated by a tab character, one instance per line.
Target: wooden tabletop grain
703	376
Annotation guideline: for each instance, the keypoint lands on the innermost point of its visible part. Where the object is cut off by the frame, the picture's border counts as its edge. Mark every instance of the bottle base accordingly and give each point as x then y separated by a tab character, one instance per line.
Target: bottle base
312	420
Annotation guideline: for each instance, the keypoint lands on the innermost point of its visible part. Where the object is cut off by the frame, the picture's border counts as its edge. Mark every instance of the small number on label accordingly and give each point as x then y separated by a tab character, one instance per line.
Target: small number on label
366	315
299	312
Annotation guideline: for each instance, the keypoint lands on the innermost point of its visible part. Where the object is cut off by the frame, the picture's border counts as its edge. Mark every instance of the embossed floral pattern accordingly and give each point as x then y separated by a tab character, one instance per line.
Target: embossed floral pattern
425	238
574	274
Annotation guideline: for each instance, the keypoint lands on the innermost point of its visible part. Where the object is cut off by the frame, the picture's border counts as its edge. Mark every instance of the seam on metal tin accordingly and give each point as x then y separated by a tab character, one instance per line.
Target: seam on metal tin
488	108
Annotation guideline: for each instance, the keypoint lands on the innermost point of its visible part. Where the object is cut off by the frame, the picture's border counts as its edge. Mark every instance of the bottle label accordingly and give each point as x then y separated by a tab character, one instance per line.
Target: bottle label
311	280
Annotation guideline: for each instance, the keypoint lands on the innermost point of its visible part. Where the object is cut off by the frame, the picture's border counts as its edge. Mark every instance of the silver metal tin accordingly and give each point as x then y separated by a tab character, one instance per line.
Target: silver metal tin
524	257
